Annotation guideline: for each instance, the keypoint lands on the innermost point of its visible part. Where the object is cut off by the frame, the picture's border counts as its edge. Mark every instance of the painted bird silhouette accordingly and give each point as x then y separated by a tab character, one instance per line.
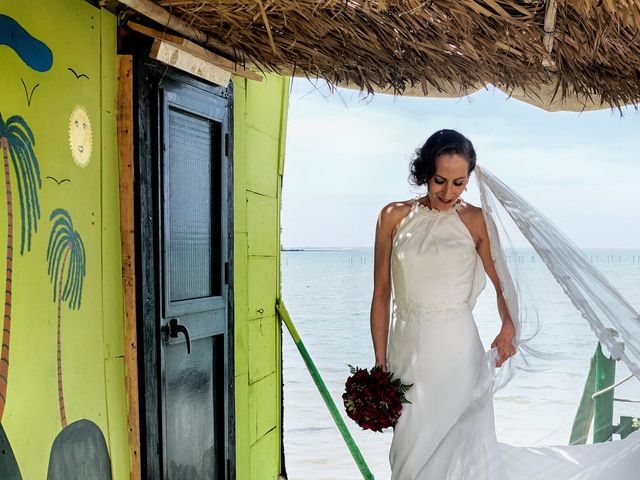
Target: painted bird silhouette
26	92
78	75
59	182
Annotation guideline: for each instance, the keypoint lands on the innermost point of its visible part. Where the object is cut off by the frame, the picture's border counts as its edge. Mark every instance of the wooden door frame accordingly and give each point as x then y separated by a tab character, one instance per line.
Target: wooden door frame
148	75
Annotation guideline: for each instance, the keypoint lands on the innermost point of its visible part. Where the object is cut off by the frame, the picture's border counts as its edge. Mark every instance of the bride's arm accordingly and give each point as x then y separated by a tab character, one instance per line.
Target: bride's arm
385	227
504	341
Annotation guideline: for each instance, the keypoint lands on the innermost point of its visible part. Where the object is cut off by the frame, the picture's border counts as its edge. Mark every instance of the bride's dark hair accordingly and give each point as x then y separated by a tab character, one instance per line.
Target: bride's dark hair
443	142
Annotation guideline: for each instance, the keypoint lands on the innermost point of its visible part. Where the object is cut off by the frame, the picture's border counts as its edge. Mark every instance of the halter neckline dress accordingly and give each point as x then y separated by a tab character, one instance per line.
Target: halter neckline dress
447	432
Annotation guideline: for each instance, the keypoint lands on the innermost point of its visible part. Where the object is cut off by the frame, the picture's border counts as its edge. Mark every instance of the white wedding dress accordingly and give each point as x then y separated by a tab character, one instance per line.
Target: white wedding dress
447	431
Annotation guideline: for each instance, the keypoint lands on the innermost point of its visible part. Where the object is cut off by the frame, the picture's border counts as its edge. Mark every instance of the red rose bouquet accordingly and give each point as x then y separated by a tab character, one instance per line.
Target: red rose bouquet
373	399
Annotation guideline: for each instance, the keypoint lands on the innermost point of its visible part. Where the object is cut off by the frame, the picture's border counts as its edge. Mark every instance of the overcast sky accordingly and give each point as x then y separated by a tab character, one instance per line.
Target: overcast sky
347	157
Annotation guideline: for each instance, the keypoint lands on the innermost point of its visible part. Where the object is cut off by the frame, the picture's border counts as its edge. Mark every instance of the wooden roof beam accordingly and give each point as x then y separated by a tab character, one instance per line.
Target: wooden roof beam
158	14
550	13
551	10
195	50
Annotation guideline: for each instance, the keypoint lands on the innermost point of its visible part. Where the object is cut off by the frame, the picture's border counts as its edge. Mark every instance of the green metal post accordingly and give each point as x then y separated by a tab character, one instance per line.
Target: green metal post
324	392
584	415
626	427
603	415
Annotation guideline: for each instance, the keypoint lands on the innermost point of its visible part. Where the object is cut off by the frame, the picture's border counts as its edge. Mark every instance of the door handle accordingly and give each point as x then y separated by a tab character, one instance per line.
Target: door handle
173	328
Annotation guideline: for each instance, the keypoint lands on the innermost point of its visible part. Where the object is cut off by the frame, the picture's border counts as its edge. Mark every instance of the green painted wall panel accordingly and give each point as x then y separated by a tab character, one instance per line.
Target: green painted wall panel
265	457
262	286
118	439
241	270
263	407
264	105
262	346
241	333
262	227
259	127
243	470
80	38
240	211
112	305
93	370
262	155
239	157
282	141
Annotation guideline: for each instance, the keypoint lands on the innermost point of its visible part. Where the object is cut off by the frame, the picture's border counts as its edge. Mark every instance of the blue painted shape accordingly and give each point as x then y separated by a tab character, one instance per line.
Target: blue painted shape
8	466
32	51
79	452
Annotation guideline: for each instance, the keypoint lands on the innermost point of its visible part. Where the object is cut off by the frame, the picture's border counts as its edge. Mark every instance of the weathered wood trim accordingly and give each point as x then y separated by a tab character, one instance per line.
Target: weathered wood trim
228	177
178	57
146	135
127	221
196	50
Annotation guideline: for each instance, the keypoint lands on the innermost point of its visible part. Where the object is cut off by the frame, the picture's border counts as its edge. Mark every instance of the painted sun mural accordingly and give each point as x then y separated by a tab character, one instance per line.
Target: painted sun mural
80	136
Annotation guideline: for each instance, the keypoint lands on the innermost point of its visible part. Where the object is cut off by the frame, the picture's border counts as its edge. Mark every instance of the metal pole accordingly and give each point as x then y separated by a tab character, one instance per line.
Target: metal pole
324	392
584	415
603	416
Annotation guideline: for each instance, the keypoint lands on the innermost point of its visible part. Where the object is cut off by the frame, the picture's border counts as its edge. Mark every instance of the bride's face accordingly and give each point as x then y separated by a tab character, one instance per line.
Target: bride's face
447	184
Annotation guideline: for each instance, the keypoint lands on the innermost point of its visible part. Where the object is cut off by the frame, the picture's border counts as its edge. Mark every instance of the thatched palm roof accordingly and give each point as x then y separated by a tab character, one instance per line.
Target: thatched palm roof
588	51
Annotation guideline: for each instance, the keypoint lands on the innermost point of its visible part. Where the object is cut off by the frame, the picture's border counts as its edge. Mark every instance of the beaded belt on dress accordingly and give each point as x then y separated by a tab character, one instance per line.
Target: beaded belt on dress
417	310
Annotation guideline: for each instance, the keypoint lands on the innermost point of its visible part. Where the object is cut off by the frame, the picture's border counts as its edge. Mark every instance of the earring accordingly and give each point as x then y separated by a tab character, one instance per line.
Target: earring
465	189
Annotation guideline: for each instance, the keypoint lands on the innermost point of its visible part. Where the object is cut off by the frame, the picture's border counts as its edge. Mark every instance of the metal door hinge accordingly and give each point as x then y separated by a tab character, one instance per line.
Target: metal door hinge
226	273
226	144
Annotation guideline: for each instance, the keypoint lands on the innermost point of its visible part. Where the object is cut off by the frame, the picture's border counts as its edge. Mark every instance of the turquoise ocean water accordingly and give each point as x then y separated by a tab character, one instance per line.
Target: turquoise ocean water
328	294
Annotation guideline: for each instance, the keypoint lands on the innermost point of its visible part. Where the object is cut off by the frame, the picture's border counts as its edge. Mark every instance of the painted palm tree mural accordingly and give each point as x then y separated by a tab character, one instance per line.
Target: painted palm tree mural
17	142
66	268
79	450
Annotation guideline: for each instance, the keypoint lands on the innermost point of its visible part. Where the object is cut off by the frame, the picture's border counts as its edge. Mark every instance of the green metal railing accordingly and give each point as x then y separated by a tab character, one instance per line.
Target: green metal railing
596	404
324	392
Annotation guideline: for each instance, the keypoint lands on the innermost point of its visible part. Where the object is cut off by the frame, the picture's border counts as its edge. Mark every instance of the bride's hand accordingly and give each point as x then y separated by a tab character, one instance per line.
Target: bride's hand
382	364
504	343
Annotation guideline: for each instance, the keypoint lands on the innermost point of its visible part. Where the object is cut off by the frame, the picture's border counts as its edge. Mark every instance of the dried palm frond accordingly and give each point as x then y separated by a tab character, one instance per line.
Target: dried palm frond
436	46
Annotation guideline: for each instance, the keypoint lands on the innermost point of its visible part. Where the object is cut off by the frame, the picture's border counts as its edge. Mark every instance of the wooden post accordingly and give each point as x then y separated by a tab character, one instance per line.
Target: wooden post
127	221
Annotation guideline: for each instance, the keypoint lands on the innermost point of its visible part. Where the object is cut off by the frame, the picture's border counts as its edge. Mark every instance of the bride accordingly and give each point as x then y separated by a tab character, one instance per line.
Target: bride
432	256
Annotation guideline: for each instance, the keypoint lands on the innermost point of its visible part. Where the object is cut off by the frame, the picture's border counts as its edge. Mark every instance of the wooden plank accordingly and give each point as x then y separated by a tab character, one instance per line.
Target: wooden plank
127	222
196	50
225	63
176	56
158	14
153	33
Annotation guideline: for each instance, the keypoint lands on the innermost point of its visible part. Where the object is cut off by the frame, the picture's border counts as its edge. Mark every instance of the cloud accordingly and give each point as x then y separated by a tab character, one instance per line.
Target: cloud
347	157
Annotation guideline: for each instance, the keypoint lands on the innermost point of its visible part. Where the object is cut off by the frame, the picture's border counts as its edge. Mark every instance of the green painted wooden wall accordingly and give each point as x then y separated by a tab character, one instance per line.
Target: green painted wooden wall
83	38
260	117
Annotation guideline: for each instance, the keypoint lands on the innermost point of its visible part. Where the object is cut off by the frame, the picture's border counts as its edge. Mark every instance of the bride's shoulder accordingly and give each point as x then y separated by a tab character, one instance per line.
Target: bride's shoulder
398	208
392	213
471	214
